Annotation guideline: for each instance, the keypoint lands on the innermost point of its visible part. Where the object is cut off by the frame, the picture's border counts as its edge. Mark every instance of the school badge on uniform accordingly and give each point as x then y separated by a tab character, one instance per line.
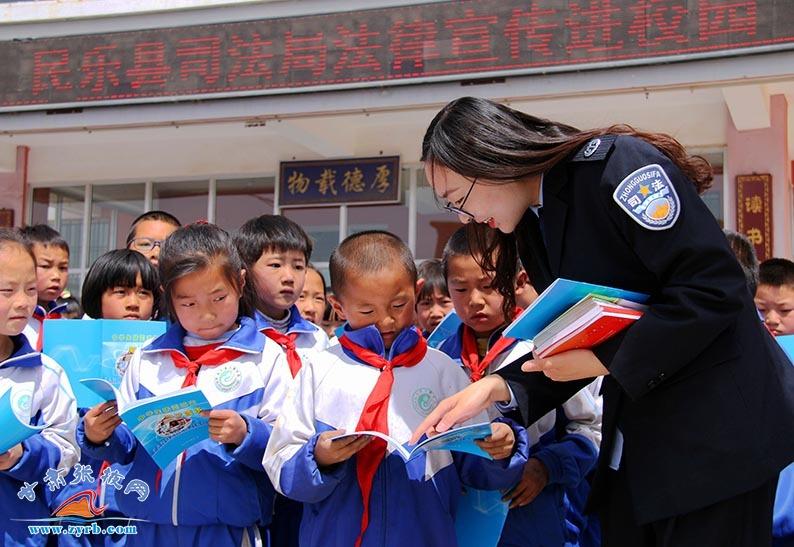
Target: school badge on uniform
424	401
228	378
648	196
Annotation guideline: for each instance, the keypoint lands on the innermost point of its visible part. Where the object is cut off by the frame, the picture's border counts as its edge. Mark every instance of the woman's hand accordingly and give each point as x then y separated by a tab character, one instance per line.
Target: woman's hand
463	406
101	421
568	365
500	444
329	452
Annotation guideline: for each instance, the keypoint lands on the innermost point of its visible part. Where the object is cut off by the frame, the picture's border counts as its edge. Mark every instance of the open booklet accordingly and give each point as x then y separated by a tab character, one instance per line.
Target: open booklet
573	315
165	425
99	348
460	439
13	428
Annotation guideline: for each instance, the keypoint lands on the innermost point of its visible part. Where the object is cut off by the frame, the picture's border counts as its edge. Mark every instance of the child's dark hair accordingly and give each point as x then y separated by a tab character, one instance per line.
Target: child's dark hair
745	254
43	235
432	271
193	248
313	268
368	252
464	243
161	216
776	272
271	233
119	268
73	307
13	237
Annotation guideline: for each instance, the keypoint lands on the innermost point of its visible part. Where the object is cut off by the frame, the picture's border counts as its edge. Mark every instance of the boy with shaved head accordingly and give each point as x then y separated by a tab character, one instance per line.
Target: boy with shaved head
381	376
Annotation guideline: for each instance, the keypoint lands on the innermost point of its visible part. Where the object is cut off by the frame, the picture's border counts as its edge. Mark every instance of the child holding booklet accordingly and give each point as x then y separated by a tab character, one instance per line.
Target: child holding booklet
564	443
382	376
121	284
40	387
214	493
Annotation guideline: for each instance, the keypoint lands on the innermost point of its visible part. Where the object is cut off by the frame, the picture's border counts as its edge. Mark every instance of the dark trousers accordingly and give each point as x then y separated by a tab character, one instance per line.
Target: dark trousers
741	521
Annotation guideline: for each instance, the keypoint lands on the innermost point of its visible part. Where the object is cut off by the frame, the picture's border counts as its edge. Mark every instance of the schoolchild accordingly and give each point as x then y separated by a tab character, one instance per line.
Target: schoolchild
275	251
313	298
39	389
774	296
148	232
120	284
52	273
432	302
216	492
563	443
381	376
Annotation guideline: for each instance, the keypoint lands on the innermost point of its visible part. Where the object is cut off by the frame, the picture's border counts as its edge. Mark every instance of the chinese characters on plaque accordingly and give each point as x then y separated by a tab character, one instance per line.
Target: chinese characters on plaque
754	212
354	181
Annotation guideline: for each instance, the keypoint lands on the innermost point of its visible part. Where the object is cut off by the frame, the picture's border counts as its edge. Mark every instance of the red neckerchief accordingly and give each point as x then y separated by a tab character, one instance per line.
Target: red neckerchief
198	356
40	317
470	357
287	343
374	416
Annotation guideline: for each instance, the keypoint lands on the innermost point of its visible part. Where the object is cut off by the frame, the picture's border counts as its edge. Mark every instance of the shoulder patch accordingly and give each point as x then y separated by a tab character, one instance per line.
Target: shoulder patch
596	149
649	198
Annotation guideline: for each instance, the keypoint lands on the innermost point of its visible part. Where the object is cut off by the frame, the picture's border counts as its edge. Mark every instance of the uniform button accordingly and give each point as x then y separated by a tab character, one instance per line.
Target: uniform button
661	376
651	384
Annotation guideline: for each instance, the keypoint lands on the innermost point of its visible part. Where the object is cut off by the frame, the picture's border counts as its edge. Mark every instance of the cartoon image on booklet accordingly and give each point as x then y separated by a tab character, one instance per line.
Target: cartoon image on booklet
14	414
460	439
166	425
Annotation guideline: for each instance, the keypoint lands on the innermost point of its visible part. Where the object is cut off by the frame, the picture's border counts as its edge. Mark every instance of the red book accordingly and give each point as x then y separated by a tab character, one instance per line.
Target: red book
585	325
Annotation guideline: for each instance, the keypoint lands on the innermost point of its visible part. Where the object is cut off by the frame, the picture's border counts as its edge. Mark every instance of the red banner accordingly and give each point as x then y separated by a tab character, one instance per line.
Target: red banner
754	212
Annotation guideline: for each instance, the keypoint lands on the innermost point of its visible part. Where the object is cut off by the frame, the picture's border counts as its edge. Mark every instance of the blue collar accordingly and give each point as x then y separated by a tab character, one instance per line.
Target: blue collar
23	355
296	322
246	339
52	308
453	346
369	337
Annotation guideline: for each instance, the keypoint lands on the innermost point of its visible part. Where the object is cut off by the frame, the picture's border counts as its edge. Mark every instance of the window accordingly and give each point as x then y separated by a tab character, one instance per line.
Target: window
239	200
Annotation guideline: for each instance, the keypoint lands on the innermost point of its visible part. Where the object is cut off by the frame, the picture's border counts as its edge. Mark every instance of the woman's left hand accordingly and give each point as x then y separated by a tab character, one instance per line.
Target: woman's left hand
569	365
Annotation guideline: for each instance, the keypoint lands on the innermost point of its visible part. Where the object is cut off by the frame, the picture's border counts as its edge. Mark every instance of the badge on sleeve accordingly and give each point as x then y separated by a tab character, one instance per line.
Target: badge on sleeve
648	196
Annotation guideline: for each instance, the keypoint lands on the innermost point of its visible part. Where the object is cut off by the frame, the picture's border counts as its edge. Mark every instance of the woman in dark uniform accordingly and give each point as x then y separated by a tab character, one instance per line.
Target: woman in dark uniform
698	398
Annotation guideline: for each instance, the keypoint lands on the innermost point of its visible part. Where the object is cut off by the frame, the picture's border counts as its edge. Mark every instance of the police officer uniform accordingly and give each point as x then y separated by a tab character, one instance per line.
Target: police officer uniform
699	403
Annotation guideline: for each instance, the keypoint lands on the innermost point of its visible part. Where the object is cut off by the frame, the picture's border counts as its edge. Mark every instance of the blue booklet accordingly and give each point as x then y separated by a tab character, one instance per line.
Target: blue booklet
559	297
460	439
448	326
13	429
787	343
166	425
98	348
480	518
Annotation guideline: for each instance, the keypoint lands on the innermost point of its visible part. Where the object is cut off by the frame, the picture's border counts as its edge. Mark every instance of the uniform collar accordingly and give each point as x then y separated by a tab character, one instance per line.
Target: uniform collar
492	339
23	355
53	308
246	339
370	338
296	322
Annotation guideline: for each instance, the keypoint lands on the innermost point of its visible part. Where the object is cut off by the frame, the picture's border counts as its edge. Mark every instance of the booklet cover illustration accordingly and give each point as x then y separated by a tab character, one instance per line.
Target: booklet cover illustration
14	418
460	439
573	314
448	326
165	425
480	518
99	348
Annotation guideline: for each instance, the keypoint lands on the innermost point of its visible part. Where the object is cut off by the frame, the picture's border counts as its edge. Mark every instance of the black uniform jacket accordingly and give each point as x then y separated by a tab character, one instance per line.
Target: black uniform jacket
702	393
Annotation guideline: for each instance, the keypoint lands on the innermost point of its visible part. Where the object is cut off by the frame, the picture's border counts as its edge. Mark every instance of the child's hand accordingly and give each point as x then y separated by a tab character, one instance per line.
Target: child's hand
533	481
10	458
328	452
101	421
226	426
500	444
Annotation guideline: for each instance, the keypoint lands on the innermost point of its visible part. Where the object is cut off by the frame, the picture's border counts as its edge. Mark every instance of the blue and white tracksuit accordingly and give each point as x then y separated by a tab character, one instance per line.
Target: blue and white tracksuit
410	504
566	441
39	386
32	330
213	494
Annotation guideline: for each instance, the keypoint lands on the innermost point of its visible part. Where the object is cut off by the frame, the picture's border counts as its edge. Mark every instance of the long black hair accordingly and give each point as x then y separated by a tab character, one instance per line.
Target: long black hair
119	268
494	144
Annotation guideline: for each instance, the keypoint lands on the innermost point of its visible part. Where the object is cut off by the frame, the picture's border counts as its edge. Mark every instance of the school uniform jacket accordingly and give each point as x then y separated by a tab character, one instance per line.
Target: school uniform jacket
410	504
39	386
566	441
214	483
700	392
33	330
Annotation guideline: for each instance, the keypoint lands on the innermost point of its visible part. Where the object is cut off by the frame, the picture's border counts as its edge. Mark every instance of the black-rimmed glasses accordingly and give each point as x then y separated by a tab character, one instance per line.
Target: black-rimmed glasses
458	209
